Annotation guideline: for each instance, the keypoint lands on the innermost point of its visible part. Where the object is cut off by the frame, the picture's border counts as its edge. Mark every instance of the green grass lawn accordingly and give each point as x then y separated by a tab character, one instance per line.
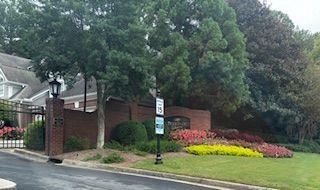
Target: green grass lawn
300	172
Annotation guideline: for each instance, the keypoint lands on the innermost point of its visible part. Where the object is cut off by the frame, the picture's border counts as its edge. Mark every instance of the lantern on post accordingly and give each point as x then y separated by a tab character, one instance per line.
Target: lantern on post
55	88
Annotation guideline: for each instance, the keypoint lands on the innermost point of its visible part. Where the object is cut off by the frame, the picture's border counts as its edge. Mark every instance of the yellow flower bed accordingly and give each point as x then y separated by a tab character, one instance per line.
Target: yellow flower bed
223	150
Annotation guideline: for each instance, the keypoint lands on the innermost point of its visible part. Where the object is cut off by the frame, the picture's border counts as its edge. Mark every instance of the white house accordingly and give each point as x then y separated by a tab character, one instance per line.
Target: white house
19	83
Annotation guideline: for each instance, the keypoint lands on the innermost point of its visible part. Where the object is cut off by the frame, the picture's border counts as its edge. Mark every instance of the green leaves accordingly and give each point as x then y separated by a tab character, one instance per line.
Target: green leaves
200	54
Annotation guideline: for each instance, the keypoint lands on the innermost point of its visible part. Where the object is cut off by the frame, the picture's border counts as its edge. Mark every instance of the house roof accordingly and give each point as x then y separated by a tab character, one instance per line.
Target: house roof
78	89
17	70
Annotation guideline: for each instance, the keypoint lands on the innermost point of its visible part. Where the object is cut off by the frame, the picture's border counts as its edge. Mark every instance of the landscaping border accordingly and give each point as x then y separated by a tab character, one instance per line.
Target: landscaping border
146	173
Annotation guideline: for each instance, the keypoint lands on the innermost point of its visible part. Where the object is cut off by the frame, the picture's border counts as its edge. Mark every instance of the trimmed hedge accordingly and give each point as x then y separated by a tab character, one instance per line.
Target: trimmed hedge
34	136
130	133
223	150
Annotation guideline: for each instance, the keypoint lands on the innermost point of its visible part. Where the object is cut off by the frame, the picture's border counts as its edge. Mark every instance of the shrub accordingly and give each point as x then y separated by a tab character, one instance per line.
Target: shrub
93	158
149	124
34	136
165	145
130	133
112	158
139	153
274	151
307	146
235	135
76	144
192	137
222	150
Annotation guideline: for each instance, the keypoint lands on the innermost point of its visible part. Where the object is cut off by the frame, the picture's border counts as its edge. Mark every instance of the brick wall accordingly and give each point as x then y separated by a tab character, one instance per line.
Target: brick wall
78	123
199	119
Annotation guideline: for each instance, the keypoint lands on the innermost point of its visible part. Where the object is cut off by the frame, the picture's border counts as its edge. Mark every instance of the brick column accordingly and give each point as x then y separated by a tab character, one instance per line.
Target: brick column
54	126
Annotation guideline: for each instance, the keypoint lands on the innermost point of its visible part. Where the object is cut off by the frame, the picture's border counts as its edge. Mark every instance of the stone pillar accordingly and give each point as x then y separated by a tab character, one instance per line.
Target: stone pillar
54	127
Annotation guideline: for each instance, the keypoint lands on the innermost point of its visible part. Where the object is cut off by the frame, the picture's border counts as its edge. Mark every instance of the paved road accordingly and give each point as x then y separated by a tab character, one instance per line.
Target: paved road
41	176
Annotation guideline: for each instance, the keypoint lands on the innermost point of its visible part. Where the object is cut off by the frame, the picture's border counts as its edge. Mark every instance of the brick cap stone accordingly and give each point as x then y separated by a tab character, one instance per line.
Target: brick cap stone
7	185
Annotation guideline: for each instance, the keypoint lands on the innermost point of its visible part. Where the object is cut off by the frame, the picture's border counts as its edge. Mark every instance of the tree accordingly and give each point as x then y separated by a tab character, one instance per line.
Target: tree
17	29
199	54
277	53
102	39
315	53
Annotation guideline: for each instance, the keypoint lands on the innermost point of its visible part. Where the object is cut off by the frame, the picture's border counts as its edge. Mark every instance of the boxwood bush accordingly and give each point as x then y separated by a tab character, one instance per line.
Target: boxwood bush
34	136
129	133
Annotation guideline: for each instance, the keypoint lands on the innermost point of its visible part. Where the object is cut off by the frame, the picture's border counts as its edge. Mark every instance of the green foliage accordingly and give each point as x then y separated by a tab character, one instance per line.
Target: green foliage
139	153
130	133
315	53
149	124
112	144
165	145
93	158
76	144
207	49
34	136
307	146
279	60
112	158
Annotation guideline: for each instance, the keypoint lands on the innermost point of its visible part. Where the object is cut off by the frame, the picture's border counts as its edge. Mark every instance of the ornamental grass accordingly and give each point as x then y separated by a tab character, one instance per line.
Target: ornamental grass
223	150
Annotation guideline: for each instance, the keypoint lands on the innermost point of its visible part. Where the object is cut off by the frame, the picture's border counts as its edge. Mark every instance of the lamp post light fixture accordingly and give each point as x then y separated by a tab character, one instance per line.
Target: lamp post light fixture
55	88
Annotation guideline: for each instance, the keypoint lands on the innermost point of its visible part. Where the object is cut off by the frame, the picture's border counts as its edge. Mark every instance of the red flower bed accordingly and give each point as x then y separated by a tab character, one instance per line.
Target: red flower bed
12	132
274	151
192	137
235	135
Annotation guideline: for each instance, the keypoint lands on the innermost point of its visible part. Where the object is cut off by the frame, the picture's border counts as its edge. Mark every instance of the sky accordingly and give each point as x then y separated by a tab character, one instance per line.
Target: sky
304	13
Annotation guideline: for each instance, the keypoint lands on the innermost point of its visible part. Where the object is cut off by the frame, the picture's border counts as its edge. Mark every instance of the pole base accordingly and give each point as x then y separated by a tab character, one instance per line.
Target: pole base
158	160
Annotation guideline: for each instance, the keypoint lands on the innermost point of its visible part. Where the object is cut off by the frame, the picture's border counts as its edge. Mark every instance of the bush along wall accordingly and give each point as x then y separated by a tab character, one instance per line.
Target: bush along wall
34	136
130	133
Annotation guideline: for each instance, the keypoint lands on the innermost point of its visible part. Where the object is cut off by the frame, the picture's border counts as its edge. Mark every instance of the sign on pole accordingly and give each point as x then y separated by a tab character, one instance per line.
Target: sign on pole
159	125
160	106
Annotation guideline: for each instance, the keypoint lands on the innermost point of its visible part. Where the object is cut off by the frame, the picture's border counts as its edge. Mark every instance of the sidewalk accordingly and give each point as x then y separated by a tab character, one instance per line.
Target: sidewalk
7	185
217	184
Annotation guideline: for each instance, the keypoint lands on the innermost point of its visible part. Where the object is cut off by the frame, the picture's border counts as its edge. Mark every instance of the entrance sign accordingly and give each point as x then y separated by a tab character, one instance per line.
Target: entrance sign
159	106
159	125
178	122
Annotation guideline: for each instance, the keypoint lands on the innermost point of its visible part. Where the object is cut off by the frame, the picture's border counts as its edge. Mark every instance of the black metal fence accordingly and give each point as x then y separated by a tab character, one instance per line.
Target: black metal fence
21	125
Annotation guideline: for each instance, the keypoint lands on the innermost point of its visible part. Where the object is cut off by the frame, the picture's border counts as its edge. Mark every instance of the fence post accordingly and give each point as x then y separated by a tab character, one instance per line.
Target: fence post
54	127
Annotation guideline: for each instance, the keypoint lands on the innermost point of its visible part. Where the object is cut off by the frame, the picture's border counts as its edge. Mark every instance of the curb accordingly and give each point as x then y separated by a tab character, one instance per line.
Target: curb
7	185
31	155
197	180
146	173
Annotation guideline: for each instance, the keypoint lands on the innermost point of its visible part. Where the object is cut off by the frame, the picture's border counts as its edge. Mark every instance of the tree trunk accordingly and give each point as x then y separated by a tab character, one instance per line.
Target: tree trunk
85	94
101	105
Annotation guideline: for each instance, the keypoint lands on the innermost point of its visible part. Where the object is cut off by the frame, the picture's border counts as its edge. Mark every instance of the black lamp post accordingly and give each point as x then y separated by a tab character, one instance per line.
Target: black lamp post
55	88
158	157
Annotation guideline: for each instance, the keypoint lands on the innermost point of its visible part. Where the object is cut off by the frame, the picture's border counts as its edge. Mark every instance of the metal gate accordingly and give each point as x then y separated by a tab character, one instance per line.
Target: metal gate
21	125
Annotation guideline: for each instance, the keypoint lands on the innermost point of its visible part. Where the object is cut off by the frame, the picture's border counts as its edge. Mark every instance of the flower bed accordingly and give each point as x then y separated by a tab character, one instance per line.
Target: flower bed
274	151
223	150
230	138
192	137
235	135
12	133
